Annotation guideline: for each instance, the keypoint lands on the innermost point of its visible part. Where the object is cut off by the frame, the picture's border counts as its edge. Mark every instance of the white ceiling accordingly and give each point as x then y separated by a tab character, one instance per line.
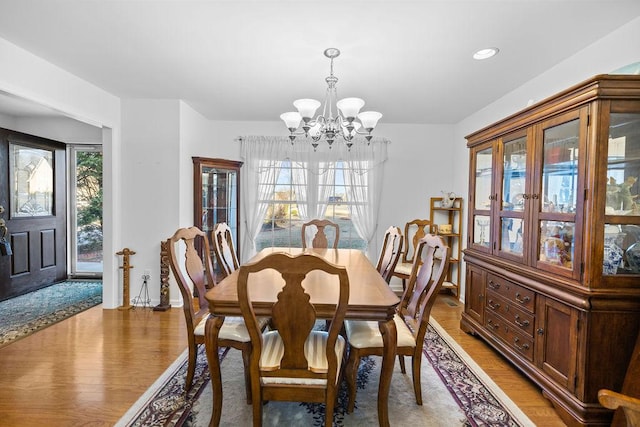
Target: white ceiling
248	60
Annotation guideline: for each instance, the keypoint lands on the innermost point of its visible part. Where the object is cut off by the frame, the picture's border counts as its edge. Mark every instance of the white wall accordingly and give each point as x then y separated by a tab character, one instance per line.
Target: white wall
606	55
151	187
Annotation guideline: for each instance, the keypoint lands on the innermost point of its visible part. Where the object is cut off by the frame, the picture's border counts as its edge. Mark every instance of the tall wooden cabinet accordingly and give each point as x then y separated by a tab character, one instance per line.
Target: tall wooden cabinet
216	198
553	249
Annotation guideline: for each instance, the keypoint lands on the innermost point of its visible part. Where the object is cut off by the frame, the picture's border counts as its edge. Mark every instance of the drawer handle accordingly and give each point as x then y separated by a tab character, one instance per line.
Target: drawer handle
494	285
523	347
492	305
493	325
522	324
521	300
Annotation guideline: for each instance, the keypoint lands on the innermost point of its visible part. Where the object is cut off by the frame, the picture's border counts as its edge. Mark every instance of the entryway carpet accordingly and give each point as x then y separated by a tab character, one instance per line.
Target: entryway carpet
21	316
456	392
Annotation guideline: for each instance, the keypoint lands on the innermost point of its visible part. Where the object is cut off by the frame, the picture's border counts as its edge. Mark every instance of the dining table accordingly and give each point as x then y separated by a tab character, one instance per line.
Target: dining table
370	298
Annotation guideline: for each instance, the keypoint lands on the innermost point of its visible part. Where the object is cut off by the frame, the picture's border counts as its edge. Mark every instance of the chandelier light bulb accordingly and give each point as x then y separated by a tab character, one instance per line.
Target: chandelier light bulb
306	107
369	119
291	119
350	107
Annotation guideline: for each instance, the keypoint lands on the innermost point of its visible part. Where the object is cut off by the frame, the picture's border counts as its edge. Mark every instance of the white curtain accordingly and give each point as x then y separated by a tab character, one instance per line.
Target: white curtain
262	157
364	176
313	176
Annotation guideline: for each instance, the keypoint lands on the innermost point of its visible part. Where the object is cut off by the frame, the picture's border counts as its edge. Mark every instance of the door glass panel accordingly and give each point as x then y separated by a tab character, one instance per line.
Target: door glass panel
219	199
31	188
557	243
560	167
511	236
514	163
481	230
622	211
623	167
484	175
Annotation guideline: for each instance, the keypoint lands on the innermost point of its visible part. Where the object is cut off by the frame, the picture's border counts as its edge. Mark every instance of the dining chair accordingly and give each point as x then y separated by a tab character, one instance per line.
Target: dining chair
413	231
223	248
198	278
630	405
430	265
295	362
390	253
320	238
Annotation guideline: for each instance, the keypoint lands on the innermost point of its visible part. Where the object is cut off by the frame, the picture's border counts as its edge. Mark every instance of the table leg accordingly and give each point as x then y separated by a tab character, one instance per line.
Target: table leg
389	340
211	331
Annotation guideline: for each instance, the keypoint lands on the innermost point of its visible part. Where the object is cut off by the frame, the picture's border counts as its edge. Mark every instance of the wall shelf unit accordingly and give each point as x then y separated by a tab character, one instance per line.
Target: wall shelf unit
440	215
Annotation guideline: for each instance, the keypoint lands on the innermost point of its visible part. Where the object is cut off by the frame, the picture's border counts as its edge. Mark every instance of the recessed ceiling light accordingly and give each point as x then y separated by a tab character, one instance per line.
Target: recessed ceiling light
486	53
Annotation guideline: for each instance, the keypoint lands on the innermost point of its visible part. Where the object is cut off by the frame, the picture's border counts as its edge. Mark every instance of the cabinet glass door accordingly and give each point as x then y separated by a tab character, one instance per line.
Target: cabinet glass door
483	196
560	182
514	184
622	209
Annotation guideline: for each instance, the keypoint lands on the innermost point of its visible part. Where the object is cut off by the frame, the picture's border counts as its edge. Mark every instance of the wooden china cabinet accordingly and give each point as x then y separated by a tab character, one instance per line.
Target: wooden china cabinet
216	198
553	249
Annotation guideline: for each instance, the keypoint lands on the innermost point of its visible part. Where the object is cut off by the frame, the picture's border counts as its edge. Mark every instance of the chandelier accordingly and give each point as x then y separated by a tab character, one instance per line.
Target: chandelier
325	125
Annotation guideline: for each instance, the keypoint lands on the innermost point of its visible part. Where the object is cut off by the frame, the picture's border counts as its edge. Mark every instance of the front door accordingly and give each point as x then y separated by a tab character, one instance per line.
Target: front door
33	195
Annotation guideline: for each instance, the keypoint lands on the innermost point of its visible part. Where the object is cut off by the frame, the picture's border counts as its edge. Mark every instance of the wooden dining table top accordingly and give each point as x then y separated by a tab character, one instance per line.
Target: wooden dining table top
370	297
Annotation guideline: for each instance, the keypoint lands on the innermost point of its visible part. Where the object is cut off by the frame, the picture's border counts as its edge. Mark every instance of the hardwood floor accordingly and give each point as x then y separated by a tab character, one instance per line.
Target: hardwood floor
89	369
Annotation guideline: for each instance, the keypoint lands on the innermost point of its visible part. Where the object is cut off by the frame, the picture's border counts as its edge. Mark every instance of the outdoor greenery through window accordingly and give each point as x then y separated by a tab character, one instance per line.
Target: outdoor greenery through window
87	191
284	216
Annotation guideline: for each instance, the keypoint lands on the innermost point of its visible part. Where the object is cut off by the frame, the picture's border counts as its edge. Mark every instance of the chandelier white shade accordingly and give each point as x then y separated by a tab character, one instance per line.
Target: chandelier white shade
344	120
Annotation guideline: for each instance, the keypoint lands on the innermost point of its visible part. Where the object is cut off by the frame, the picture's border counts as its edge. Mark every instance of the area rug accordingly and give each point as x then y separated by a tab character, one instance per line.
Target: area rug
456	392
21	316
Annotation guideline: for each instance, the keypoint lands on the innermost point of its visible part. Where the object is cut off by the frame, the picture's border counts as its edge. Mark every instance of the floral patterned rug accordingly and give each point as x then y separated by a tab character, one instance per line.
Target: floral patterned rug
456	392
21	316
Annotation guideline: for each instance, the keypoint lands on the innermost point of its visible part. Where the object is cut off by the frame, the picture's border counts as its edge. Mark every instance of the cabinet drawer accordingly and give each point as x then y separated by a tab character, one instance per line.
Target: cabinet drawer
519	319
521	297
507	333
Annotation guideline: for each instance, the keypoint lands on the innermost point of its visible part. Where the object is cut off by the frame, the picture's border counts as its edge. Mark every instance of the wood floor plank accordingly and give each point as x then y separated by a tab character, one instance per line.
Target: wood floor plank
89	369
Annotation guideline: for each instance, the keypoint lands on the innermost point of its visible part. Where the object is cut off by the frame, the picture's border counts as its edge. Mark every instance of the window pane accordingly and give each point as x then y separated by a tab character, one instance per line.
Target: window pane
481	230
282	224
511	238
31	181
87	190
623	165
560	169
514	161
556	243
484	175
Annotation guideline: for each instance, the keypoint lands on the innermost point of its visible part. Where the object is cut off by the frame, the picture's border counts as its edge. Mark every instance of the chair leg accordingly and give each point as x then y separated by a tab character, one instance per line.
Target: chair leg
246	355
257	404
351	372
417	386
402	367
329	407
191	368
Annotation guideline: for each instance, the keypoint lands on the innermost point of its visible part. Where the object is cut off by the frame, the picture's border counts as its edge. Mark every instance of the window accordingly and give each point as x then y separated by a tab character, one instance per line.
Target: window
286	184
283	220
86	210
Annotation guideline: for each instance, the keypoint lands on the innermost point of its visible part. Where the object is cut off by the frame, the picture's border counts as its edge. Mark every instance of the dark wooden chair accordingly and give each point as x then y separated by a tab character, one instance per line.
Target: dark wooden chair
413	231
320	238
411	319
390	252
196	276
294	362
628	400
223	248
